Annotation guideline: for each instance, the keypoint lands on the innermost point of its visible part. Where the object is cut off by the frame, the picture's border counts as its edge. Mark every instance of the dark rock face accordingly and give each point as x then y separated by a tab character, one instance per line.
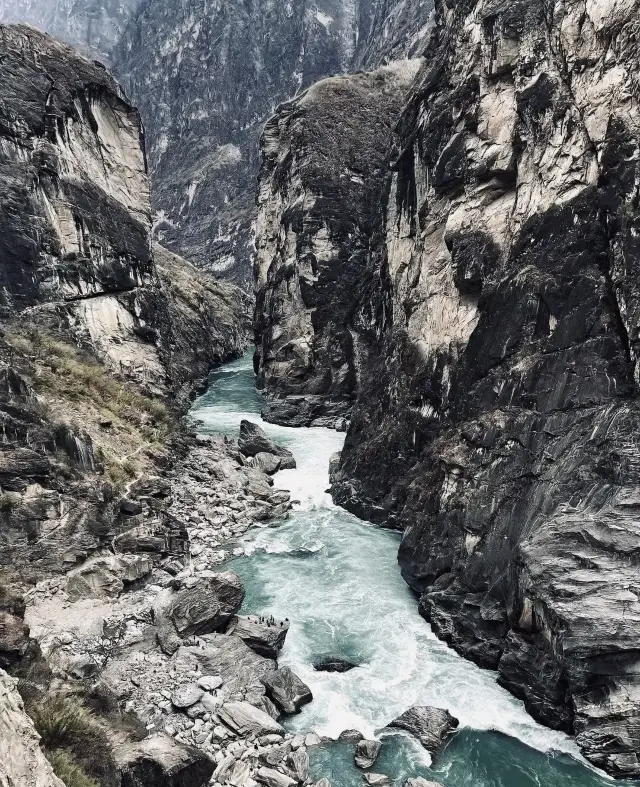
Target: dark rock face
324	171
160	761
431	726
333	664
287	690
496	419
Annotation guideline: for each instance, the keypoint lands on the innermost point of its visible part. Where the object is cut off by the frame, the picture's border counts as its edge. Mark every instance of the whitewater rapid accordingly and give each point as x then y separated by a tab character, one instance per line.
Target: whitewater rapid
337	579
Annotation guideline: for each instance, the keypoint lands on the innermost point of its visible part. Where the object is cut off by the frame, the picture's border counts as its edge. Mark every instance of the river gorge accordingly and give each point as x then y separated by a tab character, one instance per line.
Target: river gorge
336	578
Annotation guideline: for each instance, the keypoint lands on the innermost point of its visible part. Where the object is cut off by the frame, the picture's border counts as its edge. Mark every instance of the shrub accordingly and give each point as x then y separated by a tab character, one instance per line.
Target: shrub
63	723
66	767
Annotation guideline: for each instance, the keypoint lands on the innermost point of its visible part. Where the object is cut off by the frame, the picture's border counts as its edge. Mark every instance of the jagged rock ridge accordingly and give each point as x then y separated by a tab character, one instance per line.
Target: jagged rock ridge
498	376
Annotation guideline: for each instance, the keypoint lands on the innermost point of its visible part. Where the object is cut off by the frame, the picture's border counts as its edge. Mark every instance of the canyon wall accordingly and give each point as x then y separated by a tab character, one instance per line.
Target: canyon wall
100	348
498	362
325	167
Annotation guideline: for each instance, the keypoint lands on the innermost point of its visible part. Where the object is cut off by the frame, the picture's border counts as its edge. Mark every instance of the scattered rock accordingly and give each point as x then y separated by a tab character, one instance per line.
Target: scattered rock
333	664
266	640
286	689
367	752
311	739
322	783
272	778
431	726
186	695
245	719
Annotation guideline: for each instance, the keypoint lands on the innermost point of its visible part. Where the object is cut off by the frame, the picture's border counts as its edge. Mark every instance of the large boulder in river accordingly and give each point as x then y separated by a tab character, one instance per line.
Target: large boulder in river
253	441
263	638
160	761
203	608
420	782
431	726
333	664
245	719
367	753
287	690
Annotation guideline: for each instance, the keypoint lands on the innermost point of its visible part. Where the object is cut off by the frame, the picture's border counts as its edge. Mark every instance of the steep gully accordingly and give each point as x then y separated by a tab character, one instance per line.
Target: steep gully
336	578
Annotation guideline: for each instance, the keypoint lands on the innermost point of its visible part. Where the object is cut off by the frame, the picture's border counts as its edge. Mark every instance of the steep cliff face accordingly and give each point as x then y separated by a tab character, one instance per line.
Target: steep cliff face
94	340
324	171
206	76
498	351
496	419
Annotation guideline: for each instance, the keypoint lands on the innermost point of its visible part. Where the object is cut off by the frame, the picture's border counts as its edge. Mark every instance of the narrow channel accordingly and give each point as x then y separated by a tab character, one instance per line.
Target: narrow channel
336	578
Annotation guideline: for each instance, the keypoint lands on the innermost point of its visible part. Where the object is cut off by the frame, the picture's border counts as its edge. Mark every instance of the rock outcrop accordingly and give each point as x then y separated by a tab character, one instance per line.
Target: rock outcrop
325	169
431	726
499	372
22	762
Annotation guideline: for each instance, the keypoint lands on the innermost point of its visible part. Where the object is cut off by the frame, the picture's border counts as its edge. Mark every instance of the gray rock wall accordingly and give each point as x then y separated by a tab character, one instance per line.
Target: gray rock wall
325	169
495	420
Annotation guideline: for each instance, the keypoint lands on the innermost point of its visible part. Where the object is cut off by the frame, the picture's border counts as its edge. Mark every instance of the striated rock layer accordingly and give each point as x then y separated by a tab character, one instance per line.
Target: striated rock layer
324	170
496	418
498	352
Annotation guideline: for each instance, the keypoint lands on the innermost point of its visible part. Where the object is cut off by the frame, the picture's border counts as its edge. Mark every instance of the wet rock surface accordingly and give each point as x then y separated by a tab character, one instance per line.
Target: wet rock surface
367	753
287	690
431	726
333	664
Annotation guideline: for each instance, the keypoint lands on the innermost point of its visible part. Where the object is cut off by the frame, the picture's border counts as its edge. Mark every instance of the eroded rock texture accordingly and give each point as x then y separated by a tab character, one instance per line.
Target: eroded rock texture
94	340
207	76
22	763
497	347
325	169
496	421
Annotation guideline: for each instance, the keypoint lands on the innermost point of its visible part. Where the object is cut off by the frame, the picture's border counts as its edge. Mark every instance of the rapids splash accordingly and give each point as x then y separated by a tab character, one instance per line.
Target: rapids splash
336	578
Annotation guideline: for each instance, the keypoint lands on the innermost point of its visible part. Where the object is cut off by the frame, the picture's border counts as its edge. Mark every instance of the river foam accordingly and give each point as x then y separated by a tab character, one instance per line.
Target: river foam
336	578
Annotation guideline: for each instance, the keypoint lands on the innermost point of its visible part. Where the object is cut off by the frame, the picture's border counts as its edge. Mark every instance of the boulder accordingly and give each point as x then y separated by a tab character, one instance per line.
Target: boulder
431	726
266	640
272	778
97	578
420	782
268	463
210	682
298	765
367	753
322	783
160	761
245	719
333	664
254	441
130	507
14	639
203	608
186	695
376	779
350	735
286	689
